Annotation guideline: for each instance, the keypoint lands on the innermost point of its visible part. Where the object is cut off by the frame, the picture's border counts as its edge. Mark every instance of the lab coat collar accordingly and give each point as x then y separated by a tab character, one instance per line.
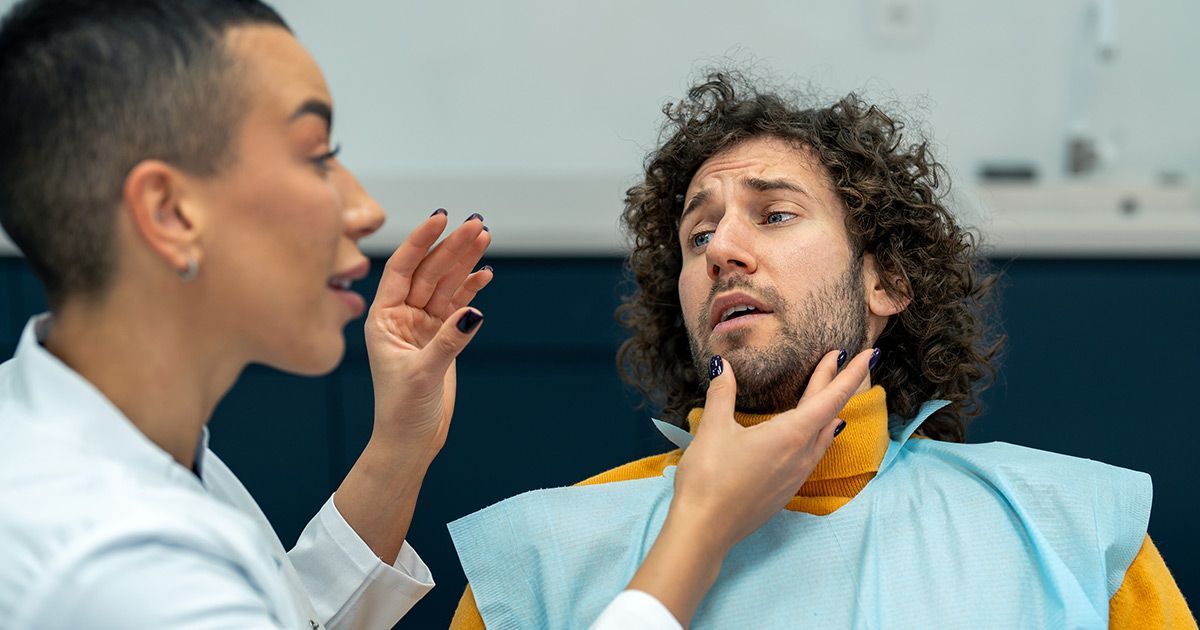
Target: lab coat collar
69	406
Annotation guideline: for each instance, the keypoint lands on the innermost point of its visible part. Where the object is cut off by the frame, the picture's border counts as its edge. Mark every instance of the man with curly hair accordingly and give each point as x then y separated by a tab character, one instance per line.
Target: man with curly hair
766	235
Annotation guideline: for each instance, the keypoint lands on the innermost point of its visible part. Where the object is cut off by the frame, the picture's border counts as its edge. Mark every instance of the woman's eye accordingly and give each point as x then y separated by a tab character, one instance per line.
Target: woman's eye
701	239
780	217
322	161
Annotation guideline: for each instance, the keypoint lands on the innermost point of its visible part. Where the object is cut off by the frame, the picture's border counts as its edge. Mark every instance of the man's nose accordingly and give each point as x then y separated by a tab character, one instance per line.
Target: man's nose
731	249
361	214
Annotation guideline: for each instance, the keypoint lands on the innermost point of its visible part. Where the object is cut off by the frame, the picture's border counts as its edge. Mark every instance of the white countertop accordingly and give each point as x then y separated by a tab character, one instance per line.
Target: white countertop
579	216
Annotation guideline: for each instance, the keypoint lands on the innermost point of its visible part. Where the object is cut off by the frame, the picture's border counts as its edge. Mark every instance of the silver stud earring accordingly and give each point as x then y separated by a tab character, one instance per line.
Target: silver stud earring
193	268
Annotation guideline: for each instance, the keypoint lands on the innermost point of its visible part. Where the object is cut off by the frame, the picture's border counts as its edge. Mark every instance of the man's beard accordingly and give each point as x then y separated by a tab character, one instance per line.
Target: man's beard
772	378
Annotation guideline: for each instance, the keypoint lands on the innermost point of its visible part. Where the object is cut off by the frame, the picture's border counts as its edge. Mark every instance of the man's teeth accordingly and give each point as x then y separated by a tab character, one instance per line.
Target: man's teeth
741	308
340	283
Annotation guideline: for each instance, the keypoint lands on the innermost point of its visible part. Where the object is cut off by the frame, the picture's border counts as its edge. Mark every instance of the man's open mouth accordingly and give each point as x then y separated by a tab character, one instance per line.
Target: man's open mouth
735	306
740	310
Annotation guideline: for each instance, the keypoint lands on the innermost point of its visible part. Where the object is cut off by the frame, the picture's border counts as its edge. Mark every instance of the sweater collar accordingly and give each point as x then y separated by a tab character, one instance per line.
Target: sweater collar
858	450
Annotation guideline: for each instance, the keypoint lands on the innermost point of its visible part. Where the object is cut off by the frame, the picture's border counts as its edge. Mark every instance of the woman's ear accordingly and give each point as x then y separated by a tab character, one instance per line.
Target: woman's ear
162	214
881	302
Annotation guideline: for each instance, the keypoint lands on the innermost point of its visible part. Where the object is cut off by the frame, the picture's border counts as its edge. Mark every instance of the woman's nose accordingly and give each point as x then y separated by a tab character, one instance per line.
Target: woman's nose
363	219
361	214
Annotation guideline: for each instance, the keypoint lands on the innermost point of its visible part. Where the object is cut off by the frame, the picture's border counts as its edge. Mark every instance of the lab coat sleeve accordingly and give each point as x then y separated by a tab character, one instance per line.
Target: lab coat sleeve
147	585
636	610
349	586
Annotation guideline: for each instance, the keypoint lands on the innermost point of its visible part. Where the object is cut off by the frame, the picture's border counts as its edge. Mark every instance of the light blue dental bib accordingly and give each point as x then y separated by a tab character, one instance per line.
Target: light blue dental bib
945	536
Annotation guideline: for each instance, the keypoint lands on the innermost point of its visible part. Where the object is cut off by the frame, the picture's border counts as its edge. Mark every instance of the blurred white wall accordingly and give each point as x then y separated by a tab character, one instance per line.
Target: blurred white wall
538	113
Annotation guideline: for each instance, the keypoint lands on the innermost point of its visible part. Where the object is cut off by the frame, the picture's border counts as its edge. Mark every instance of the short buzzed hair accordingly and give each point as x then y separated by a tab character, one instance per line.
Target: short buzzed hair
90	88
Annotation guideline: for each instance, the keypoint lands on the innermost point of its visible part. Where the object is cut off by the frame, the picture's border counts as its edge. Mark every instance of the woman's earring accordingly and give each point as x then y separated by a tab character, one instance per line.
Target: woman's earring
193	268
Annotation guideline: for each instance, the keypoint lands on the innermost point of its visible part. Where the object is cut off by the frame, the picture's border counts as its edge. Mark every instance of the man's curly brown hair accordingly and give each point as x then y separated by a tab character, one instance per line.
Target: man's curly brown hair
943	345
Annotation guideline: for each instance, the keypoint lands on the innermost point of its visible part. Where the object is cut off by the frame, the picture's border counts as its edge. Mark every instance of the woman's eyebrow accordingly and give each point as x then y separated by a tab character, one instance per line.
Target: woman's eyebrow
316	108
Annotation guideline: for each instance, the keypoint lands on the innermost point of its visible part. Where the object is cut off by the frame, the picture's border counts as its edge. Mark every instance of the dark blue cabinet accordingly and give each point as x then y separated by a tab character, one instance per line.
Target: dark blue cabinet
1100	364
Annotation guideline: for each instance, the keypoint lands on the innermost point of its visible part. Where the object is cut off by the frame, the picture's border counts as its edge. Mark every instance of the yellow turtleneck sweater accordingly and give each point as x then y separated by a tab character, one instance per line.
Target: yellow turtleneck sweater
1148	598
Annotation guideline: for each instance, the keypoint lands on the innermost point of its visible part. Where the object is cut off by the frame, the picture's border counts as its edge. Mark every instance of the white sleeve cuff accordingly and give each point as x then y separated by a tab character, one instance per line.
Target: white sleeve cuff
349	585
636	610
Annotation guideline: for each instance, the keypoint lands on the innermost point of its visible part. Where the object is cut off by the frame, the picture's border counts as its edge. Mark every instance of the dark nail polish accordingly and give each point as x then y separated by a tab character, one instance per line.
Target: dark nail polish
474	215
874	359
841	359
441	211
715	367
840	427
486	229
488	267
469	321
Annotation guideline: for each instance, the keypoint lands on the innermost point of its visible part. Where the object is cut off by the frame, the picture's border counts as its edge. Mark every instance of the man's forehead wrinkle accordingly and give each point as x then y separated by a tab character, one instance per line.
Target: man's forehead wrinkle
754	183
759	184
710	169
715	166
758	165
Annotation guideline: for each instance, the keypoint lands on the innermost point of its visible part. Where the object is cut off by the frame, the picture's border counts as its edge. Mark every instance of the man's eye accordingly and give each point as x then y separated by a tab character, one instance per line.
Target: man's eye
780	217
701	239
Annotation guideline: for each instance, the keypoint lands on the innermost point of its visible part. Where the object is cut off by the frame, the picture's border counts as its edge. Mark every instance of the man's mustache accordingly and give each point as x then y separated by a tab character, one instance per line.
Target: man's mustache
767	295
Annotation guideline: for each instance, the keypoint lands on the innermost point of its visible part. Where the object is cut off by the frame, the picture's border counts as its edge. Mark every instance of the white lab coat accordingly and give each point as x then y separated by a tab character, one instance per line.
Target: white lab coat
101	528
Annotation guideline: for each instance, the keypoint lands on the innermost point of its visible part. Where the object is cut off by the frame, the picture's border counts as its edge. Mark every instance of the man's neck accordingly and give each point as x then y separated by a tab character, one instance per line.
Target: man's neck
164	376
851	461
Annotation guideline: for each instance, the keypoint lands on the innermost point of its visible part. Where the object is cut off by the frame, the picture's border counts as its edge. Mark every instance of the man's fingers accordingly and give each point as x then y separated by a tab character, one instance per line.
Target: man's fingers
471	287
441	261
456	332
722	392
826	369
397	274
441	302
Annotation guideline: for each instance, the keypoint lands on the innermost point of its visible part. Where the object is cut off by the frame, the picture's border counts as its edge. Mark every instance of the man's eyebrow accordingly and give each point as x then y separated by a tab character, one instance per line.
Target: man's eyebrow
316	108
700	198
765	185
754	183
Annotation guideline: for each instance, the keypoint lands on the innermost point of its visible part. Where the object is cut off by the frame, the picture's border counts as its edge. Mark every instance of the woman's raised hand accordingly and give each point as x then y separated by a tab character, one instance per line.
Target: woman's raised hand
418	324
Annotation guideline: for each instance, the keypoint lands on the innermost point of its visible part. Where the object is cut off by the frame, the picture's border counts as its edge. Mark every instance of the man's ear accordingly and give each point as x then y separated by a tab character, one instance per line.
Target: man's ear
880	302
162	214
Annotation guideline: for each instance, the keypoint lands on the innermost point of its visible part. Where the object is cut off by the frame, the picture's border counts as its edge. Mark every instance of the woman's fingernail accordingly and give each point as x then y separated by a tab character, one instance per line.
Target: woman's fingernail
474	215
488	268
874	359
840	427
469	321
486	229
715	367
841	359
441	211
